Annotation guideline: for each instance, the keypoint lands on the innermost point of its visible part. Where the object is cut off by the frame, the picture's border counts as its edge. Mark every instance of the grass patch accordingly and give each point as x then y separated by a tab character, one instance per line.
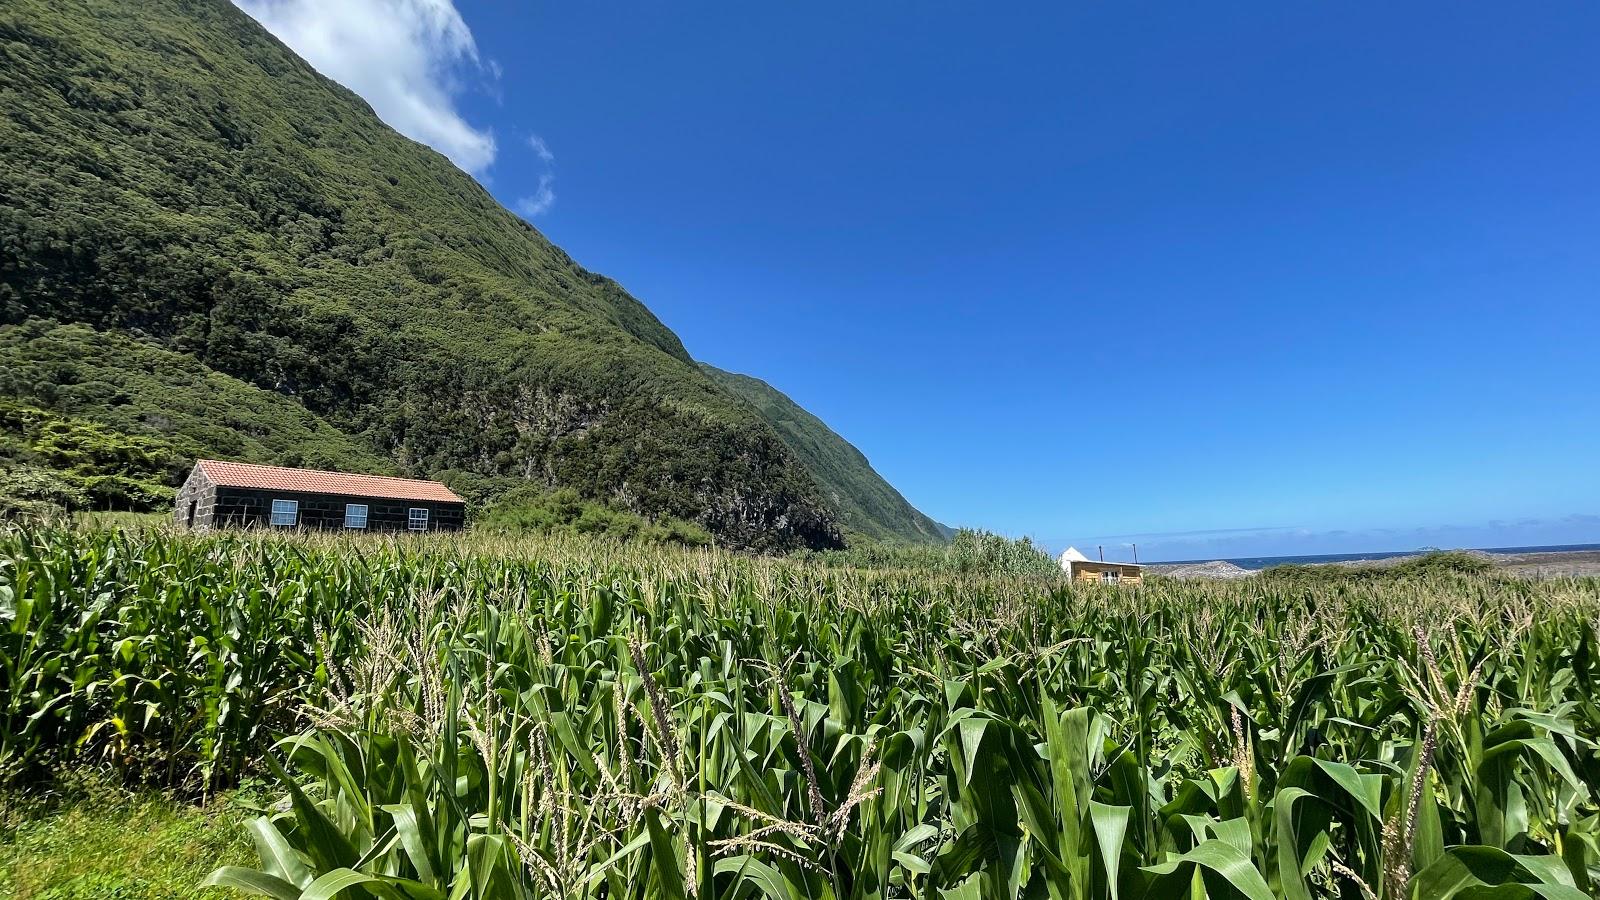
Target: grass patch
90	839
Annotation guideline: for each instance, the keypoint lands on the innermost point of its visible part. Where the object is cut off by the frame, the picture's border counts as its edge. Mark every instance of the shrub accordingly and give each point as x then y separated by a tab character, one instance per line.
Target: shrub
531	509
1438	563
75	464
971	551
28	492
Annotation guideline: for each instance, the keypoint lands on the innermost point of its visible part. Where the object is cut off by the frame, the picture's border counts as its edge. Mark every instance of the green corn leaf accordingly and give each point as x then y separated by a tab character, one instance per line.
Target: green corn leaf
666	857
1217	860
915	836
489	867
278	858
1110	825
325	843
600	870
1298	850
1478	870
253	881
765	879
412	839
334	883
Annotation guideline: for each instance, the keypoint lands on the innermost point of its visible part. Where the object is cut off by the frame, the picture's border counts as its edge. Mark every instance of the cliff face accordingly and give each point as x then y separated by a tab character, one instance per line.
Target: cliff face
866	503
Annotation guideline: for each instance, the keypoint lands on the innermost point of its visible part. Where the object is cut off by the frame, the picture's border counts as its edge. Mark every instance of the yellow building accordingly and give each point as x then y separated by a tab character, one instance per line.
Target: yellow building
1081	568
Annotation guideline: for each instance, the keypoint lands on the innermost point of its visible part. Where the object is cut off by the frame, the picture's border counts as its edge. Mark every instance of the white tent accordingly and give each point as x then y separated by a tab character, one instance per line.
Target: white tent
1071	556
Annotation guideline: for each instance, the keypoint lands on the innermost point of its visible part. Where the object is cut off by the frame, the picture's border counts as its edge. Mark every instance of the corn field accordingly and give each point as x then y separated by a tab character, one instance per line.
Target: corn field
456	718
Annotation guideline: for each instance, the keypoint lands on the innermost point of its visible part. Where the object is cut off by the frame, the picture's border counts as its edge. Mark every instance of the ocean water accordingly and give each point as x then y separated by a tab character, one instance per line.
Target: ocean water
1263	562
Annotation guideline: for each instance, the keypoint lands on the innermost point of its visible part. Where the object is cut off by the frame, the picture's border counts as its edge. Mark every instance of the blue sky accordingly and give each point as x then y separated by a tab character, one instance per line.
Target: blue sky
1219	279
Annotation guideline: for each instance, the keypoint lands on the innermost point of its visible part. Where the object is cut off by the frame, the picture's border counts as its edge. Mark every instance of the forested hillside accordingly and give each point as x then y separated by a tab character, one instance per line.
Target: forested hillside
866	503
136	387
206	210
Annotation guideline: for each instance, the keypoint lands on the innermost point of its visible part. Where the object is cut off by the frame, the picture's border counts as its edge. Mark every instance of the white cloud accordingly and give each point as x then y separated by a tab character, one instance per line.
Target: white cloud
401	56
542	199
545	196
538	145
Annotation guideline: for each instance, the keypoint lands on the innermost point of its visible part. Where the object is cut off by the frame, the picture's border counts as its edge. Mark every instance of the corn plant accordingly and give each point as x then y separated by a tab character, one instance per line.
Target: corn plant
470	717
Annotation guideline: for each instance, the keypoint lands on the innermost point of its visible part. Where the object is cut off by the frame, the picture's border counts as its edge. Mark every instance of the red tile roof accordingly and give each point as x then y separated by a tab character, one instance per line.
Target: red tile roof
312	481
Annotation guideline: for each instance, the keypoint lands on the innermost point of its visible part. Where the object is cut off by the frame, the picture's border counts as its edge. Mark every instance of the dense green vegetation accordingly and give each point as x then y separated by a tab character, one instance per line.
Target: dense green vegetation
528	510
867	504
147	392
1438	562
203	240
49	462
567	718
969	552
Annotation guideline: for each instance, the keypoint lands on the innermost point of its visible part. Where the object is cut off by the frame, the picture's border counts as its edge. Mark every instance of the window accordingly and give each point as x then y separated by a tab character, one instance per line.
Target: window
286	513
1111	577
417	519
355	515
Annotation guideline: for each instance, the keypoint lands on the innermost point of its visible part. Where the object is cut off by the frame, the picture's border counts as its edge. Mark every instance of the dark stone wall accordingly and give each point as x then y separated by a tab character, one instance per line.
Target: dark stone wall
195	506
245	508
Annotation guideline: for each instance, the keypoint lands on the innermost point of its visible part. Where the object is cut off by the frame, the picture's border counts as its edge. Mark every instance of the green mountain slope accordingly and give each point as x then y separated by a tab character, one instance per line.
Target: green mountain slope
865	502
176	185
143	390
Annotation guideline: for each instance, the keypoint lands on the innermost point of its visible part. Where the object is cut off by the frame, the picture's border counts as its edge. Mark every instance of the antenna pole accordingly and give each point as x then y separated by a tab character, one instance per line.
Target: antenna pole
1102	552
1136	554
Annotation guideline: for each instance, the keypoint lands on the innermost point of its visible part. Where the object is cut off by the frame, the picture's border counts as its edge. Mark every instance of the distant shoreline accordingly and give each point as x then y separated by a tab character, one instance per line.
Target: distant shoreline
1266	562
1572	560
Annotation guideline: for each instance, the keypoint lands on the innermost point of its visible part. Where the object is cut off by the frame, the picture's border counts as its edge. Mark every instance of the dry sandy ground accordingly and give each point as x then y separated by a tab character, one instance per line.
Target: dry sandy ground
1214	569
1550	565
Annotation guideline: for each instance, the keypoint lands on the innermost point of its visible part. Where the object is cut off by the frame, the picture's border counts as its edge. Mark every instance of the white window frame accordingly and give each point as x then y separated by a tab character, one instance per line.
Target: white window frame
415	522
354	521
291	508
1111	576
